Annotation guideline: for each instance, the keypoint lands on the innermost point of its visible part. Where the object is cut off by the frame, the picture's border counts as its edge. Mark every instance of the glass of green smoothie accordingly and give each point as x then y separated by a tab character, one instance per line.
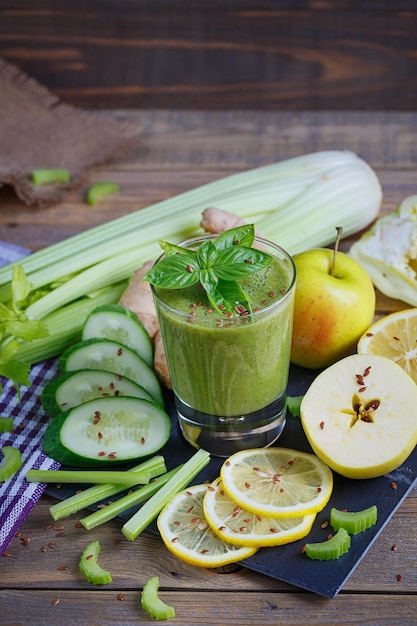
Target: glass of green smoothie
226	324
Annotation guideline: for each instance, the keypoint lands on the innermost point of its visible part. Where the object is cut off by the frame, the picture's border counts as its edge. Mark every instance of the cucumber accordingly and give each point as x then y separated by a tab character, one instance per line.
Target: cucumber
111	356
112	321
73	388
107	431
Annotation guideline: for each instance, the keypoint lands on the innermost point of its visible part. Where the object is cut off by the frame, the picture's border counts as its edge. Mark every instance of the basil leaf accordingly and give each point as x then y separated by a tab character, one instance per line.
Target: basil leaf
237	262
234	294
239	236
172	248
206	254
175	271
209	280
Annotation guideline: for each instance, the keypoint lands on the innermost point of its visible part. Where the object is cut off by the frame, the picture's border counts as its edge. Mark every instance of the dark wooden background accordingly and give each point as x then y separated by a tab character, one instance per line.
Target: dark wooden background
218	54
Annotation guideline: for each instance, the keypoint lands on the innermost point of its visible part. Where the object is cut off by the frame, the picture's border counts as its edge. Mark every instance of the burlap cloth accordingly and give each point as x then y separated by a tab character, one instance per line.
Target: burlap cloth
37	130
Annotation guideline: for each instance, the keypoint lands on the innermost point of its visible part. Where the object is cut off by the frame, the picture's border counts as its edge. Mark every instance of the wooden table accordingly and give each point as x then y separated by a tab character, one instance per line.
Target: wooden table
181	150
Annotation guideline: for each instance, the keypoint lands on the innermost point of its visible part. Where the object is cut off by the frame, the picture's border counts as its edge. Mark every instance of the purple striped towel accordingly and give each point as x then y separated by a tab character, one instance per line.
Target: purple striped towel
17	496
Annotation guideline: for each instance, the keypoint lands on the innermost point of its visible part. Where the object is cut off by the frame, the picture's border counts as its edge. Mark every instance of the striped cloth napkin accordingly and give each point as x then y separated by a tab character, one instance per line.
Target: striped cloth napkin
17	496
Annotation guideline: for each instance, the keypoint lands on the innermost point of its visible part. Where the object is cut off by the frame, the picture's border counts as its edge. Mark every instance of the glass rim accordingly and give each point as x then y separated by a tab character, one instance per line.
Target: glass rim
255	314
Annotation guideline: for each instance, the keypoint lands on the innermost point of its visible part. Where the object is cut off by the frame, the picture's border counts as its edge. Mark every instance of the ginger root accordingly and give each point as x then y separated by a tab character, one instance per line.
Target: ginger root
137	297
217	220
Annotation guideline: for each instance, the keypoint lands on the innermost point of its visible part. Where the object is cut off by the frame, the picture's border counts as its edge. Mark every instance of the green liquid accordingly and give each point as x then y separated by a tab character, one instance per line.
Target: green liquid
228	367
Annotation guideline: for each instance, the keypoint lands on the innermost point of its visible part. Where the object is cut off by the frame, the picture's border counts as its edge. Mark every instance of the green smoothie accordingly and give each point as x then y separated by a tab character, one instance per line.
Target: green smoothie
224	366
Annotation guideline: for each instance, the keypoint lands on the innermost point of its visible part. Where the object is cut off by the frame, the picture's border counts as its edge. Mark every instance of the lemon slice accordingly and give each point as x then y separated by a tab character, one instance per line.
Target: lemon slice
186	533
241	527
394	336
277	482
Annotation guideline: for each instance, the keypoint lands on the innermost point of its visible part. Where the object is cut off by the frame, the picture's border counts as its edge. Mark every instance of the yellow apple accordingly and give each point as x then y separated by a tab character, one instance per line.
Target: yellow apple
360	416
334	305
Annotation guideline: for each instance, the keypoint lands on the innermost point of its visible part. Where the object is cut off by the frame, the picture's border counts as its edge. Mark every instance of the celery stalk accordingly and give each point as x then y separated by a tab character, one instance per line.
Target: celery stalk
149	511
64	326
126	502
88	476
296	202
154	466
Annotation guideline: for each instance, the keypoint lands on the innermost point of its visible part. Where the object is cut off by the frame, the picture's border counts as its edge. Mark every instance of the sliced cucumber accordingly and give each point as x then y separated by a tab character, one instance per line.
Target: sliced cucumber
73	388
111	356
112	321
107	430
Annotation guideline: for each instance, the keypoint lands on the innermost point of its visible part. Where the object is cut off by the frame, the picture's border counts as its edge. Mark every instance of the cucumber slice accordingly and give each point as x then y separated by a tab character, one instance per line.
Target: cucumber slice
107	430
112	321
111	356
353	522
73	388
331	549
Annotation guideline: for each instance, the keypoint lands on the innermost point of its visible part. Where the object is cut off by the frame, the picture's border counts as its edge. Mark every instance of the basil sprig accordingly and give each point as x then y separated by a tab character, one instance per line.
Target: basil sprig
218	265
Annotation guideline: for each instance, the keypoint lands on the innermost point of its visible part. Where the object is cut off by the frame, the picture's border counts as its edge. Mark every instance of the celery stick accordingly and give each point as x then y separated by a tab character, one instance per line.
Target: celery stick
101	190
47	176
155	466
6	424
89	566
88	476
126	502
149	511
11	463
152	603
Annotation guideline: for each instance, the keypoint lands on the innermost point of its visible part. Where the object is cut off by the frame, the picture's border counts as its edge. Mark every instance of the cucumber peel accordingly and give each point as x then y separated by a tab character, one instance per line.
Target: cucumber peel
77	387
111	356
353	522
152	603
107	431
90	568
115	322
331	549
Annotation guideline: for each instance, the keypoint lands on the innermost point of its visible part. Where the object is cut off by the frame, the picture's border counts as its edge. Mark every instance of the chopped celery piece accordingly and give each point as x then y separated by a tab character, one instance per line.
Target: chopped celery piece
90	567
6	424
131	499
293	405
149	511
152	603
331	549
154	466
46	176
353	522
100	190
88	476
11	463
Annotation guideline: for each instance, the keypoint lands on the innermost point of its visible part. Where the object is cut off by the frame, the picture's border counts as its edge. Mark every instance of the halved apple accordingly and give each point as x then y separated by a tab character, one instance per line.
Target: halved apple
360	416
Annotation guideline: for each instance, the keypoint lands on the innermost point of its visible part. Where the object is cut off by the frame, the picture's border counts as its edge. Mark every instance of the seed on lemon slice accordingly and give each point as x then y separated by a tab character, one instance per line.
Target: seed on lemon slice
186	533
394	336
241	527
277	482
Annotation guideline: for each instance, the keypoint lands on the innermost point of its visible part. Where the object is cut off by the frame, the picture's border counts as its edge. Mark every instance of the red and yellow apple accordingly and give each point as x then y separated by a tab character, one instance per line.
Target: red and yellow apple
334	305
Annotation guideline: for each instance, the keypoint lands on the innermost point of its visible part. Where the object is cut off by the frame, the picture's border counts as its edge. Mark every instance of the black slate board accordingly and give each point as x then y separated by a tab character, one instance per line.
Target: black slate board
288	563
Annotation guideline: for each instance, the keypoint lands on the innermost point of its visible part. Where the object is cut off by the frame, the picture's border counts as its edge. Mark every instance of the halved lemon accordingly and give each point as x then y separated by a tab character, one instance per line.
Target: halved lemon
186	533
394	336
241	527
277	482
